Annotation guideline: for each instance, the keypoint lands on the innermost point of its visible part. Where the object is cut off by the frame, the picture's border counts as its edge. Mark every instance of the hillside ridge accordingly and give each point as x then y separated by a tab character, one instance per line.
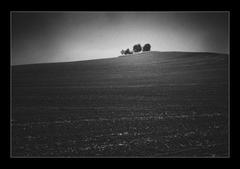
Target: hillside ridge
167	53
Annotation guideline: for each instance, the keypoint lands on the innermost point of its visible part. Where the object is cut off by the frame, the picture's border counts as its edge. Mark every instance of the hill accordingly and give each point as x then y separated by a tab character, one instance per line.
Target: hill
177	67
149	104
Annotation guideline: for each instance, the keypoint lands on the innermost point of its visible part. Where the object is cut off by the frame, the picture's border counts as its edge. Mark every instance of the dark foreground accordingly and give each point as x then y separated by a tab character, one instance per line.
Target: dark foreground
150	105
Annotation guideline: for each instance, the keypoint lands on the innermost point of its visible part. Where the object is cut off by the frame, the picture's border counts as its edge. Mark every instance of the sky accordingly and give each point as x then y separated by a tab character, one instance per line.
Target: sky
41	37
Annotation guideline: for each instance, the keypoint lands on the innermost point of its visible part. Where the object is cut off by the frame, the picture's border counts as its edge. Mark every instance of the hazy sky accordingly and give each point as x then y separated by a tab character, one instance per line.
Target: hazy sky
39	37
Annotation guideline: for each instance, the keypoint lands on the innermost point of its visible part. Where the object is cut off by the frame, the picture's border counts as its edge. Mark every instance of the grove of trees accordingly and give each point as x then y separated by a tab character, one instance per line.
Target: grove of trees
136	49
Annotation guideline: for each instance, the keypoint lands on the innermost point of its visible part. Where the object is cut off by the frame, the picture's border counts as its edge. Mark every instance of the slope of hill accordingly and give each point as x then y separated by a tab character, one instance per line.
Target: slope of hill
149	104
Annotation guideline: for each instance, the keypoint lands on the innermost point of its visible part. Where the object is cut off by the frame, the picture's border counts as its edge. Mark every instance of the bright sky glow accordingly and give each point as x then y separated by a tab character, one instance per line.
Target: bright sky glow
73	36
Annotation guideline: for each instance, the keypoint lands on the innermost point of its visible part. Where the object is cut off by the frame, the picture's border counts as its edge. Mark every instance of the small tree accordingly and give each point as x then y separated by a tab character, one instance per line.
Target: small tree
122	52
127	52
137	48
147	47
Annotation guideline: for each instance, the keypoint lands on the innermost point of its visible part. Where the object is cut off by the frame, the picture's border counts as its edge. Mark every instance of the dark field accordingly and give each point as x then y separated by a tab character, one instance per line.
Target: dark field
157	104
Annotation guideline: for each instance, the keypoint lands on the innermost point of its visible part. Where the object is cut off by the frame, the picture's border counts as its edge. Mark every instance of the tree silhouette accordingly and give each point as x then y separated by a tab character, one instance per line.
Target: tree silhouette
127	52
147	47
137	48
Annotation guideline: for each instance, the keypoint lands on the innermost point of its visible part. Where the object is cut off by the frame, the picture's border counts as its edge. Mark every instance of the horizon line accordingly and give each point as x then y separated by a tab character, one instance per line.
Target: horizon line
38	63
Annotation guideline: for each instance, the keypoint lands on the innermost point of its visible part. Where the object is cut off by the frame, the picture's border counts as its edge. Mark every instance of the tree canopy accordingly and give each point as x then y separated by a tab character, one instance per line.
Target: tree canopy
137	48
147	47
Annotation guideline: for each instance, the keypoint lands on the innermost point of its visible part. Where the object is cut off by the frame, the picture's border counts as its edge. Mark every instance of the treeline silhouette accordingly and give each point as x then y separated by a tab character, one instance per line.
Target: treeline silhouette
136	49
